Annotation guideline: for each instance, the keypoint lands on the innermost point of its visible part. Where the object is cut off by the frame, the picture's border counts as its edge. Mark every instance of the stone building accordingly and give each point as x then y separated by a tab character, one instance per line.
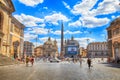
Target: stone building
71	48
83	52
114	39
50	48
11	31
28	48
97	49
38	51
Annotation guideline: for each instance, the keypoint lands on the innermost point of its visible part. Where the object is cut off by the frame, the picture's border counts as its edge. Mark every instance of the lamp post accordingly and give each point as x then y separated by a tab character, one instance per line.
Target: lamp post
87	45
36	39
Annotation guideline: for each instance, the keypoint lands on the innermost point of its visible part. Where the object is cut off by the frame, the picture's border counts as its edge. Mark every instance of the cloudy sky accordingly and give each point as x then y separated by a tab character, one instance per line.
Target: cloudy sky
83	19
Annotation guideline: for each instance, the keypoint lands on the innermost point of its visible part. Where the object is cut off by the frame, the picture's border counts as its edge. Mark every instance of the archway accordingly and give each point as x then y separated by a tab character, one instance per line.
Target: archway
1	30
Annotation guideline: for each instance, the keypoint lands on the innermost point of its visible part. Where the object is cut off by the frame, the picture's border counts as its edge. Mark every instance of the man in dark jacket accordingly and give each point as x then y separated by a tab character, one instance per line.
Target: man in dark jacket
89	62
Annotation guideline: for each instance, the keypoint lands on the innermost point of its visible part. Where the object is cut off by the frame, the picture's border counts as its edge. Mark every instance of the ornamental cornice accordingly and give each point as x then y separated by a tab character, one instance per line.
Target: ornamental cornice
16	22
114	24
8	10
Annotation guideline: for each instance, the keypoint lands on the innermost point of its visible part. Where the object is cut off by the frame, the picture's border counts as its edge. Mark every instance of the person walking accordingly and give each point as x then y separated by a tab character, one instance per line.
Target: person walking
32	60
27	60
89	62
80	60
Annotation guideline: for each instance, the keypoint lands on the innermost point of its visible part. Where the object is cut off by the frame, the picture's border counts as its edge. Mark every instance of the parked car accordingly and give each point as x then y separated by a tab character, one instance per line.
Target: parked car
54	60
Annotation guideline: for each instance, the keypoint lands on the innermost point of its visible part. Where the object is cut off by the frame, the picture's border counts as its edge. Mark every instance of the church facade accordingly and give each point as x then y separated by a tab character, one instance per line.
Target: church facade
11	31
114	39
50	48
71	48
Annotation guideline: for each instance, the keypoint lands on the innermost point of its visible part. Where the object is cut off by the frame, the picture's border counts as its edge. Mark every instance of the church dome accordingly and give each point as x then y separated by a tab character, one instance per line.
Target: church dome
49	42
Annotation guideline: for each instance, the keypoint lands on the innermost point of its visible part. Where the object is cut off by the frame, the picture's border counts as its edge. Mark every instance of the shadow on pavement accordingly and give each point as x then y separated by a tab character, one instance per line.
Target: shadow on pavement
115	65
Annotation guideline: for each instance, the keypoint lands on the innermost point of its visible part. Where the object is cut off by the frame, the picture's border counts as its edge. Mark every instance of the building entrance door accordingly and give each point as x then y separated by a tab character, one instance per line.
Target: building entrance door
116	53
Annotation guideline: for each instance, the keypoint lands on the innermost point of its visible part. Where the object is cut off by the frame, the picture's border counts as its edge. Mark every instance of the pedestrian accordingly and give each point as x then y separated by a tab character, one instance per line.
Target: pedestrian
89	62
27	60
32	60
80	60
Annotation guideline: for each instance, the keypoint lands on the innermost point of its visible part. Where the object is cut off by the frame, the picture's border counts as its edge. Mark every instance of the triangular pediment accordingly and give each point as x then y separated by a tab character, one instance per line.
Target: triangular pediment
8	4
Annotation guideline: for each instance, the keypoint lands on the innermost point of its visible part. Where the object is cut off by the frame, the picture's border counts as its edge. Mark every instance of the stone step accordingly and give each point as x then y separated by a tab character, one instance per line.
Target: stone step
4	60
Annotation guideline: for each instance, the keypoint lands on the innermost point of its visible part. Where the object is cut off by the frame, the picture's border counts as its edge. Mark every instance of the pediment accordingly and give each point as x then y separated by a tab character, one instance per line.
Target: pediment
8	4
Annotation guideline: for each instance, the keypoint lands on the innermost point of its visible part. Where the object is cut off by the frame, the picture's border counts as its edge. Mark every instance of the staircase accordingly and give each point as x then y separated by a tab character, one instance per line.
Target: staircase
4	60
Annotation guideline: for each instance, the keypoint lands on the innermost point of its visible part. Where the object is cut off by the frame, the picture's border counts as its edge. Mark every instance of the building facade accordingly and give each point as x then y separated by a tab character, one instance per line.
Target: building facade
83	52
38	51
71	48
11	31
50	48
97	50
28	48
114	39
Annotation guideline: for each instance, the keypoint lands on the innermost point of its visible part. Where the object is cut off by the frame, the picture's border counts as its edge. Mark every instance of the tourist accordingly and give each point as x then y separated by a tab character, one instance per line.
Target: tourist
27	60
89	62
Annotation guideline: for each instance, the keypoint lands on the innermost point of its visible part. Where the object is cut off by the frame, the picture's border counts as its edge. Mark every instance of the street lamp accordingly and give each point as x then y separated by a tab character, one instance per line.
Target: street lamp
35	38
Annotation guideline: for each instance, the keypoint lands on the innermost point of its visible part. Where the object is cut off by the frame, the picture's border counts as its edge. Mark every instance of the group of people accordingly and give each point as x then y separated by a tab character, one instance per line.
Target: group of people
29	59
88	62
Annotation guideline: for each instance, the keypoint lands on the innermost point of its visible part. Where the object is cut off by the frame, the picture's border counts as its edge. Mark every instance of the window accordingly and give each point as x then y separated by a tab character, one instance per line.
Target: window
11	29
1	21
116	31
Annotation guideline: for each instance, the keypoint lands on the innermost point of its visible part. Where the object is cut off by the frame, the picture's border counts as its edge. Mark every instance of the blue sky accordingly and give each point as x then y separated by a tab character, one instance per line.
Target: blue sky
83	19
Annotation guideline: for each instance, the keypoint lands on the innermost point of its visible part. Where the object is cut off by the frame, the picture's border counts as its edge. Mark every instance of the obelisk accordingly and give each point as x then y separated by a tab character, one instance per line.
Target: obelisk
62	39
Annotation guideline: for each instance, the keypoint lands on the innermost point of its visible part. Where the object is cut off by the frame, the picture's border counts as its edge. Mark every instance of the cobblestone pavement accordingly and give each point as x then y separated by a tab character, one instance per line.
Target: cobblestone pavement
59	71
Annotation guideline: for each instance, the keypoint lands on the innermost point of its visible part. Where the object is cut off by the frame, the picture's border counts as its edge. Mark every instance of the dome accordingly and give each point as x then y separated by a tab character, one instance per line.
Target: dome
49	42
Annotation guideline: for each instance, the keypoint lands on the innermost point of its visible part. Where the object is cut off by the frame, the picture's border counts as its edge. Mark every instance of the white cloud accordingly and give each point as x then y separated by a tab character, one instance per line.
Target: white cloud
92	22
42	25
83	41
58	32
45	8
66	5
74	32
76	23
28	20
89	22
38	30
28	36
113	17
54	18
83	7
43	39
31	2
107	7
88	13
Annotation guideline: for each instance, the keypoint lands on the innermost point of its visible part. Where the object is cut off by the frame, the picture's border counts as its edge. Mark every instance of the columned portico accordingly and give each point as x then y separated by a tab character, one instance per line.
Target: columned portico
1	31
0	45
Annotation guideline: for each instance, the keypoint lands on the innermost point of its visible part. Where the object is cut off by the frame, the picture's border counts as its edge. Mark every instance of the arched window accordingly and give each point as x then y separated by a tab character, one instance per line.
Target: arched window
1	21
